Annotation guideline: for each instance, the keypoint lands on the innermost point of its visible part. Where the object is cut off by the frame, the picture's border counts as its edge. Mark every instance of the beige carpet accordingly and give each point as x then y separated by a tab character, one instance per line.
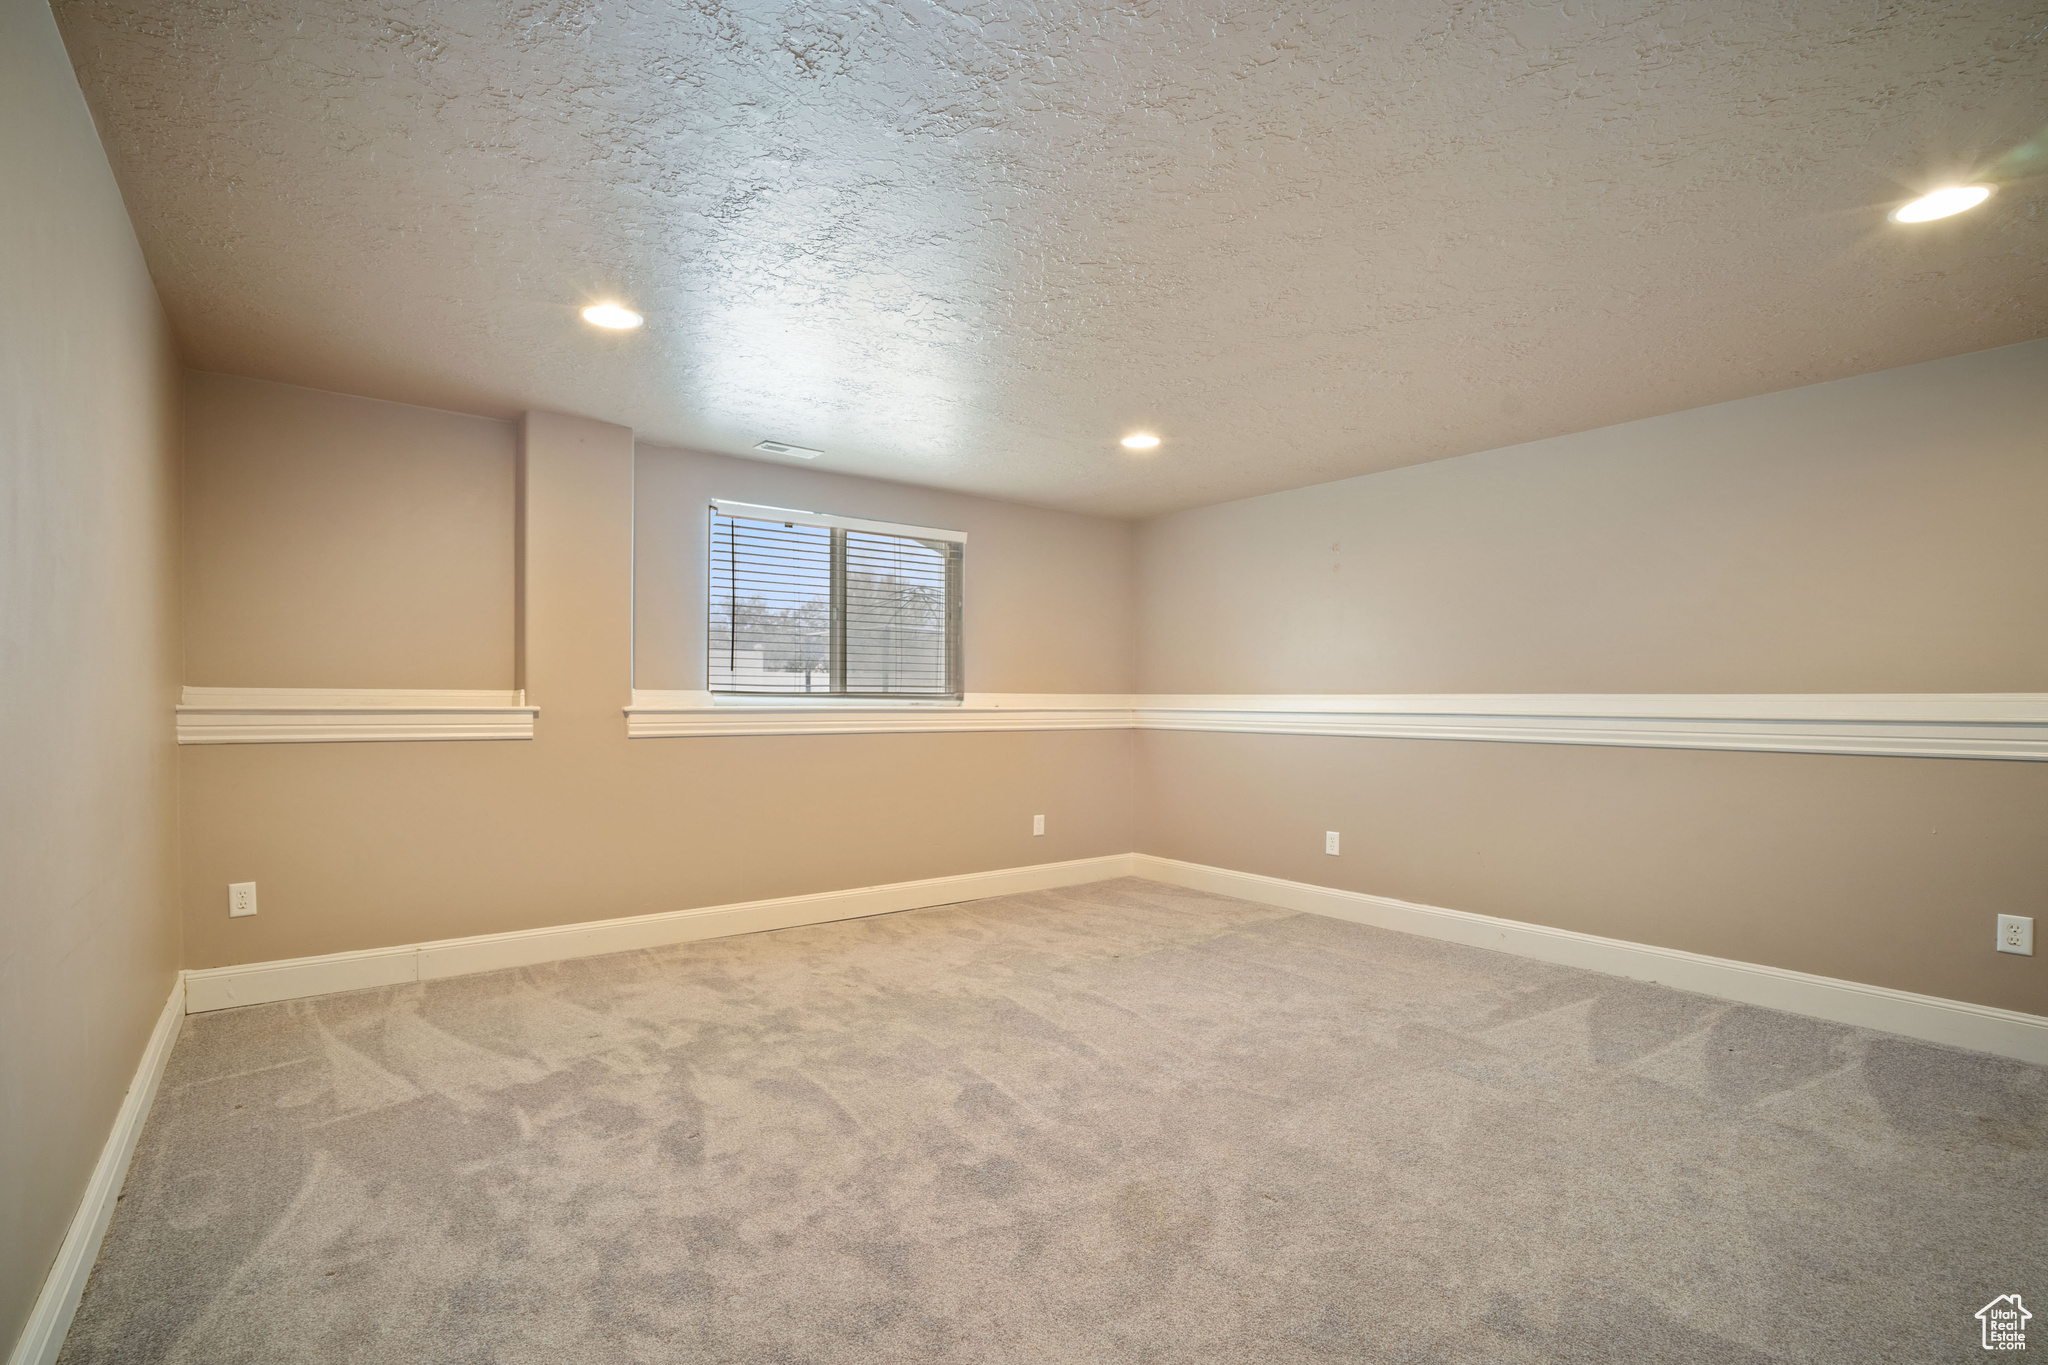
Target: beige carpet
1120	1122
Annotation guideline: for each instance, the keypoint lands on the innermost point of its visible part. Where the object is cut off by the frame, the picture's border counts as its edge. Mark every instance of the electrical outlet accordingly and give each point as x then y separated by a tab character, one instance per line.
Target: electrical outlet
1038	824
2016	934
241	899
1330	842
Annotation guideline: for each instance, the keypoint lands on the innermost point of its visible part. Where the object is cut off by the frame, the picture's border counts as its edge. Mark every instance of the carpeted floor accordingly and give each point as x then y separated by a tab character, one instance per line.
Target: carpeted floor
1119	1122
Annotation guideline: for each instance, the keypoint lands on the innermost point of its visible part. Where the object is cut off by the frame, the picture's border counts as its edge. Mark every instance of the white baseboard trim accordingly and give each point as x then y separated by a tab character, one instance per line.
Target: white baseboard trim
2007	1033
257	983
43	1336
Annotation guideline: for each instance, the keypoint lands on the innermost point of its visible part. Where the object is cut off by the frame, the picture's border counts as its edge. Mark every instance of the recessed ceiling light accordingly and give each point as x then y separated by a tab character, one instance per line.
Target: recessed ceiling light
611	315
784	448
1143	440
1941	203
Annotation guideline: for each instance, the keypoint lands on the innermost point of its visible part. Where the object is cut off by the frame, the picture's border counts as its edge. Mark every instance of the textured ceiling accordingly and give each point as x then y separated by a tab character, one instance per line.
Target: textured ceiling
970	245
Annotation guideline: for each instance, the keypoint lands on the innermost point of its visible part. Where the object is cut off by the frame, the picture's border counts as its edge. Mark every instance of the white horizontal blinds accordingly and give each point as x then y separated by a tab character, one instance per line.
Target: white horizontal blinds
896	635
771	589
832	606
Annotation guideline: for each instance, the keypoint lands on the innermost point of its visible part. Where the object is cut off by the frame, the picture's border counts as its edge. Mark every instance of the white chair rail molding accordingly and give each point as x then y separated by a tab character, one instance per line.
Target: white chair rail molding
327	715
1996	725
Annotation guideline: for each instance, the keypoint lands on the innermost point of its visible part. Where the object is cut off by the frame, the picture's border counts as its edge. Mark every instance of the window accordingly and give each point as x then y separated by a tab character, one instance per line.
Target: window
803	603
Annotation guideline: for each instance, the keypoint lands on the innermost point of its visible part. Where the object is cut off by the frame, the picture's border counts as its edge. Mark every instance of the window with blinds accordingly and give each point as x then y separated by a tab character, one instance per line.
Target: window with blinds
802	602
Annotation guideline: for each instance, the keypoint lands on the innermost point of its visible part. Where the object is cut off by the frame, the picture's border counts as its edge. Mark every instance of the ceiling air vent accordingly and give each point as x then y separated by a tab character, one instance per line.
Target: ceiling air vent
779	448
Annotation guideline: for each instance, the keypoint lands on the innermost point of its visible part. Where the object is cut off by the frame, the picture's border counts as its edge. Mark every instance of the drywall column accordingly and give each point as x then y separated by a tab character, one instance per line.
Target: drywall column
575	564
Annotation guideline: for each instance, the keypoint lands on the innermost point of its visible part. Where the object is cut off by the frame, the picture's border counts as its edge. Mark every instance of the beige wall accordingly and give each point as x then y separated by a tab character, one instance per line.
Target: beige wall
334	541
1877	534
88	653
1883	870
1047	603
359	845
1810	540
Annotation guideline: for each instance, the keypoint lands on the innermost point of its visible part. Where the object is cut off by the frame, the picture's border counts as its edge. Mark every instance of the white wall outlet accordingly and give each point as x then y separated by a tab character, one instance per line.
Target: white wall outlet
2016	934
1330	842
1038	824
241	899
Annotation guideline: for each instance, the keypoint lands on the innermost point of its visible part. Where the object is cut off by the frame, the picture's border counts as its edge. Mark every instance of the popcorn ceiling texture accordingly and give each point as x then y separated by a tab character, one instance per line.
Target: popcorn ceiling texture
1106	1125
970	245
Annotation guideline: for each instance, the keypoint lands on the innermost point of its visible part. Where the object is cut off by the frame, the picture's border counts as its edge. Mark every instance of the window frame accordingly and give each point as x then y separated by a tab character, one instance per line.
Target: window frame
955	574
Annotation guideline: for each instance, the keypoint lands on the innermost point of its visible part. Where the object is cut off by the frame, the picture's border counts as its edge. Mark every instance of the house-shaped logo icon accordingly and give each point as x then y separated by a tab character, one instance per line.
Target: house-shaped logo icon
2005	1323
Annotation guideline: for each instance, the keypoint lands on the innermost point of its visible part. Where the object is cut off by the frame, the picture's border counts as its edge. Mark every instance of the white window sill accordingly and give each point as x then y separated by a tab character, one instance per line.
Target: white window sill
661	715
823	701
